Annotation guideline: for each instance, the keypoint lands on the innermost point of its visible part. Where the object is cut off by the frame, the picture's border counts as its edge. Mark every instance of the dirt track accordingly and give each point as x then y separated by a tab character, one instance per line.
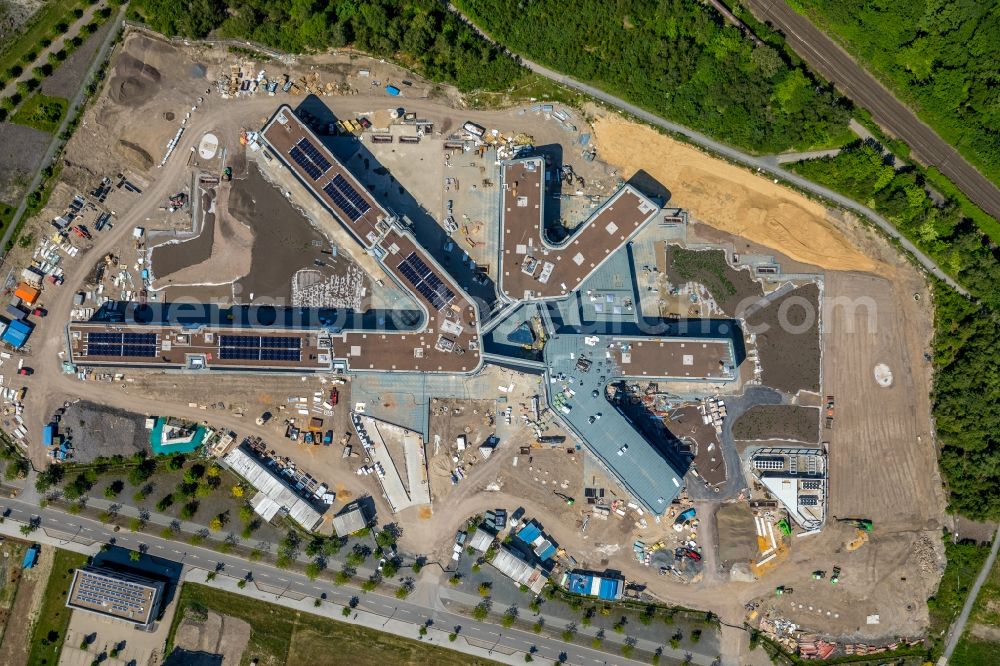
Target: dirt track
729	197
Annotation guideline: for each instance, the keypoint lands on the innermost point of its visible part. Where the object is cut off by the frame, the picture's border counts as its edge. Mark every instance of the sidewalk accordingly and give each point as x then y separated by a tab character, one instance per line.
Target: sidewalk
359	617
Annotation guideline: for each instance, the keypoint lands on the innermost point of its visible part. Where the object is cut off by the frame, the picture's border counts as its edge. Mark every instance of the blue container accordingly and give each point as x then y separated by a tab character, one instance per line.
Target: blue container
392	90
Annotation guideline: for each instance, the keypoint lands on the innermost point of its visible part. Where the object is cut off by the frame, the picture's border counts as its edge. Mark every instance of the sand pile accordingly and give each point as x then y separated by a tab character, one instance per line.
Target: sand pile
729	198
133	81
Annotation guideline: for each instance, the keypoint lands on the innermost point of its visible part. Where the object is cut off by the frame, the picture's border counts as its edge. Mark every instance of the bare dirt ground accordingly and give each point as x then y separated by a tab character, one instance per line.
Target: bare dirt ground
98	430
778	422
729	197
215	635
229	258
883	462
787	338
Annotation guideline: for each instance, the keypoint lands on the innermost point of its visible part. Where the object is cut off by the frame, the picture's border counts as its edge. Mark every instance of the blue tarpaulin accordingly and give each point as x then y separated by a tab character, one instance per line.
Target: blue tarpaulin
30	557
17	333
529	533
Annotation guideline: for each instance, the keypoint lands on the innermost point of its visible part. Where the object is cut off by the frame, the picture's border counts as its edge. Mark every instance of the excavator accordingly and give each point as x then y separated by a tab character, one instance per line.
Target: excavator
863	526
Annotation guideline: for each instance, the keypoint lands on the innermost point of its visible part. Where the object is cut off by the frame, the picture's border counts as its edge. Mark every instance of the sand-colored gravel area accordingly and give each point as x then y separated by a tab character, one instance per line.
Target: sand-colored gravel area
729	197
230	257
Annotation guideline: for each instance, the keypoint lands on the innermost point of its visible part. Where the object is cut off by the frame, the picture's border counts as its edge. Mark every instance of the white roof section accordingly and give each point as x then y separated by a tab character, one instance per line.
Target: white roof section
349	521
273	488
481	540
522	573
265	507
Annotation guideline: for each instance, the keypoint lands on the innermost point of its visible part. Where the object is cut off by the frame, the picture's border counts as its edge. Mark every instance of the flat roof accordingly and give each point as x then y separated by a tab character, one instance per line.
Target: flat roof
349	521
515	568
531	267
270	482
115	594
449	338
580	365
115	344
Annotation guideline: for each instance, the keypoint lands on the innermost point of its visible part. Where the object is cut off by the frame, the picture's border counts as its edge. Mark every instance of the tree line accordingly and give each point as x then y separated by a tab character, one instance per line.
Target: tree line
678	59
421	34
940	56
966	396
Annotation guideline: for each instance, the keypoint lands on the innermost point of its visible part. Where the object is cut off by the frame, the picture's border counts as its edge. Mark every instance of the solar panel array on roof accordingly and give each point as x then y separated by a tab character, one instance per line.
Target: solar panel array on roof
307	165
347	198
425	281
260	348
141	345
306	146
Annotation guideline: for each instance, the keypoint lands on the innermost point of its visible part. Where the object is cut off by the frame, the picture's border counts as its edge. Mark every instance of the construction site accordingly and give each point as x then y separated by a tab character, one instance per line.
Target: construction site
451	310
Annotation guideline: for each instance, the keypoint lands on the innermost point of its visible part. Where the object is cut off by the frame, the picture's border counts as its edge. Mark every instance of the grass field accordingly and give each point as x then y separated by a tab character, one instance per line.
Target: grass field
964	562
984	622
49	632
41	112
282	636
40	26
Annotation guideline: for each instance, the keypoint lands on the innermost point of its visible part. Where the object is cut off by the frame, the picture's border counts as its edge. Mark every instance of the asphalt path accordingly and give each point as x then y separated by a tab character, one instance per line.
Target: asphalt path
72	110
764	164
425	607
837	66
958	628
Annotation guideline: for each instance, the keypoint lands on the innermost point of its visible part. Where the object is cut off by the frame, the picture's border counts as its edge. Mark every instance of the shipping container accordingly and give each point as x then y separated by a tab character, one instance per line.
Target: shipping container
392	90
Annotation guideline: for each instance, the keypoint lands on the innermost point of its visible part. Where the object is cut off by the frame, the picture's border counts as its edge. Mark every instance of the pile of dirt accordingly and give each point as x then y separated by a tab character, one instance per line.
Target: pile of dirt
133	82
730	198
135	155
737	536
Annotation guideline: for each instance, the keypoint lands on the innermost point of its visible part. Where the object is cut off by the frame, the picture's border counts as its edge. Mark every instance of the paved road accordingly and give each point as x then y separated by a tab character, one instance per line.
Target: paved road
827	58
72	110
429	603
958	627
761	164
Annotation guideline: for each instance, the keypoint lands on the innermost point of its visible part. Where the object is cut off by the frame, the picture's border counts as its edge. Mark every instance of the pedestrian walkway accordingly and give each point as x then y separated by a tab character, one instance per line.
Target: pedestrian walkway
57	44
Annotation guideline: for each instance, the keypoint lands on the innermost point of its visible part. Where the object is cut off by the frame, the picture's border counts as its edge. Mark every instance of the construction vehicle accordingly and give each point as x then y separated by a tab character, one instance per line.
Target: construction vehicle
835	578
26	371
82	232
818	575
781	589
785	527
829	412
566	498
864	524
227	174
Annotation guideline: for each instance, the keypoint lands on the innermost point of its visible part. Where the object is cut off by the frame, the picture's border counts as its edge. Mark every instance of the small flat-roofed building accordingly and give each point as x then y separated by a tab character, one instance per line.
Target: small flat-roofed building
275	493
796	478
603	587
350	520
116	594
482	540
511	565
